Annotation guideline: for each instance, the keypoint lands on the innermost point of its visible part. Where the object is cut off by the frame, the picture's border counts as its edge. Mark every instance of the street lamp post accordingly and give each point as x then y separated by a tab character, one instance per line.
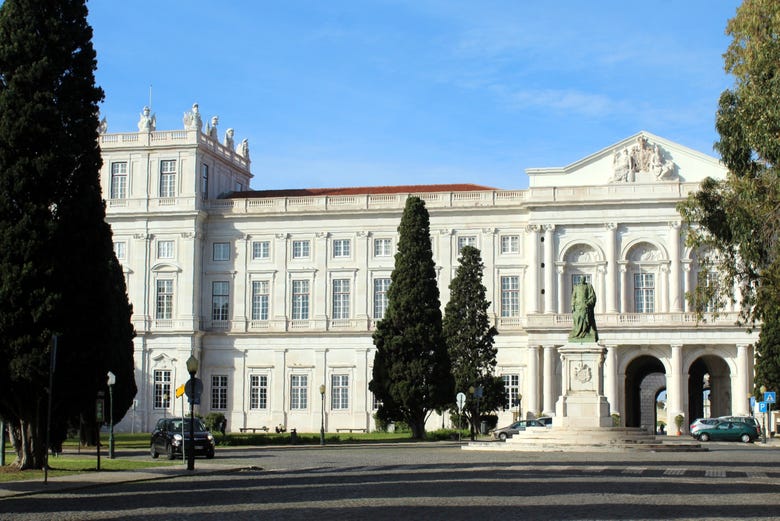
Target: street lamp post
322	424
763	390
111	382
192	368
519	406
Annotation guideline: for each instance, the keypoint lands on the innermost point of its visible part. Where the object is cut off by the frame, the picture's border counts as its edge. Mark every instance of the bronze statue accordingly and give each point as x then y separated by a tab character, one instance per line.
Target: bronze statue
583	301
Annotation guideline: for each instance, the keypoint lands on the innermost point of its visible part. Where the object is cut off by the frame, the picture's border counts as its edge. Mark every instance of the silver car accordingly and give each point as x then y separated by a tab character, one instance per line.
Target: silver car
510	430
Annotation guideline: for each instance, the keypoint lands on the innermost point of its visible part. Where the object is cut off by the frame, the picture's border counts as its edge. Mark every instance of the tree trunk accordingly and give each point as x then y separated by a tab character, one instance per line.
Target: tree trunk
418	428
29	443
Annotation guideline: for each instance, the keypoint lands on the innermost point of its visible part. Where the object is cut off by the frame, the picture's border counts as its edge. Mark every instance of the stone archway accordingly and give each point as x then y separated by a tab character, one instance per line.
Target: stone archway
709	388
645	379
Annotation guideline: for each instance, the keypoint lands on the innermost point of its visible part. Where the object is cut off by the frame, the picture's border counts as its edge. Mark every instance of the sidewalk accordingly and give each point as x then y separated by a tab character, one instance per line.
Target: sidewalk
58	484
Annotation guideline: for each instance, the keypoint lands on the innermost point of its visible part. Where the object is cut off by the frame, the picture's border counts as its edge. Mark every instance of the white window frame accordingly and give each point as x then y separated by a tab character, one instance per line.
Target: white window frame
510	244
162	389
299	392
342	248
120	250
381	285
220	251
164	299
165	249
118	189
204	181
301	249
644	292
511	390
509	286
300	297
258	391
261	298
220	300
261	250
341	295
383	247
339	392
219	392
466	240
168	178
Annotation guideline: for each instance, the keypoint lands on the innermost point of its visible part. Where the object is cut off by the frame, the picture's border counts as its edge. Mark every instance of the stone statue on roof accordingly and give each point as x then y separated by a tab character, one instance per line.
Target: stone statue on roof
147	121
192	119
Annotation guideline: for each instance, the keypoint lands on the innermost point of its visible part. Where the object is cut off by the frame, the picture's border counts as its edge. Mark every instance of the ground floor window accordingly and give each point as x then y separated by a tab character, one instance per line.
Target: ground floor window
162	389
299	391
258	391
219	392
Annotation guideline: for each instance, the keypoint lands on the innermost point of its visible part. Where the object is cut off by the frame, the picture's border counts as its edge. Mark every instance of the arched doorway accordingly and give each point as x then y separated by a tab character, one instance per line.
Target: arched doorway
709	388
645	379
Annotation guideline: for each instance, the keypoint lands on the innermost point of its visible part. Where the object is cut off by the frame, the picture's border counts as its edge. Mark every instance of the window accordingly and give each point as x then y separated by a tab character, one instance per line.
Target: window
168	178
220	300
162	389
299	391
164	309
469	240
221	251
339	391
164	249
644	292
261	249
341	248
510	244
219	392
120	250
576	278
511	389
340	298
119	180
510	296
383	247
300	249
300	300
259	300
380	297
711	284
258	391
204	181
375	402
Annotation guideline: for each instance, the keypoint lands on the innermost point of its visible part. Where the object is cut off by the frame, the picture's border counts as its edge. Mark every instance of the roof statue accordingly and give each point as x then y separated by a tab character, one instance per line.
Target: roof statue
631	164
243	149
212	128
192	119
147	121
228	142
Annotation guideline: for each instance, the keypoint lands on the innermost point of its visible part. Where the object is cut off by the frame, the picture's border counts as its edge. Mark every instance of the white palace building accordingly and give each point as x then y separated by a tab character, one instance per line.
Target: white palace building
277	292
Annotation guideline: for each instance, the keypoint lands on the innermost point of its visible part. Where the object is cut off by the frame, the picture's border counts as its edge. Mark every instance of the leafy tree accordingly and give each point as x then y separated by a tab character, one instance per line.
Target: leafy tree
768	355
469	336
733	223
58	273
411	375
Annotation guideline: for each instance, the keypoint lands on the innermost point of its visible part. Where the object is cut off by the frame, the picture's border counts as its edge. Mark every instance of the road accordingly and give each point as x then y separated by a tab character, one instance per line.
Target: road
435	481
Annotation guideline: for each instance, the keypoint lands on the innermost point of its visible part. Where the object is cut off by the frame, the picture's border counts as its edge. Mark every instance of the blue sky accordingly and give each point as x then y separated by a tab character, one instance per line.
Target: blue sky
382	92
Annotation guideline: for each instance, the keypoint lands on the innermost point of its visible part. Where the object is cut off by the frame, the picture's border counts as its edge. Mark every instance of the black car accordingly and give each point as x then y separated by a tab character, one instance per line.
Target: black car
171	434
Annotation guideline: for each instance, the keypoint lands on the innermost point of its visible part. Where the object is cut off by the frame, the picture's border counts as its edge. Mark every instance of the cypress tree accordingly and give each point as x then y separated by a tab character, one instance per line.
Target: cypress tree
58	273
469	336
411	374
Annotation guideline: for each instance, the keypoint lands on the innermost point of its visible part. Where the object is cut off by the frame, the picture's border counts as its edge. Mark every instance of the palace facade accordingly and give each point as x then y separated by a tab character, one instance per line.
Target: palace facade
277	292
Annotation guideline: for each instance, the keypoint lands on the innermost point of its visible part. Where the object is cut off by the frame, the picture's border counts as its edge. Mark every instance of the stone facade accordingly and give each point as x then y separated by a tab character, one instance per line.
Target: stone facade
278	292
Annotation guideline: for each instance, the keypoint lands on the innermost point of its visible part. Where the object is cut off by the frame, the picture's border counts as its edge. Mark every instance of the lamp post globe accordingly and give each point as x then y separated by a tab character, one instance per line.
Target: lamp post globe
111	382
322	424
192	368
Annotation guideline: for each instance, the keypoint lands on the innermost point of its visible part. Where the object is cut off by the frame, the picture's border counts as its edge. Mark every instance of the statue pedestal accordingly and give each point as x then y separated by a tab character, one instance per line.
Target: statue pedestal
582	403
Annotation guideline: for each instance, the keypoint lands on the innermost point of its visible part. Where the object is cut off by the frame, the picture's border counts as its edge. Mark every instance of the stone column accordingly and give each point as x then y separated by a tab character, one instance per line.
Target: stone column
549	287
623	288
611	380
740	393
561	286
532	387
663	298
612	287
675	299
686	277
549	395
674	388
532	278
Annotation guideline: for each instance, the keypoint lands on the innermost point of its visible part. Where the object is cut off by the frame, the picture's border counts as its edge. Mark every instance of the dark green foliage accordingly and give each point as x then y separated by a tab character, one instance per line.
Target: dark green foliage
469	336
411	375
768	355
58	273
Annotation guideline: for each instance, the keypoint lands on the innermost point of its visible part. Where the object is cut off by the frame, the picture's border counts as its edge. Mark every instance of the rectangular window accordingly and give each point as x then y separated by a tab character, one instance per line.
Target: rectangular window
119	180
339	391
221	251
204	181
383	247
162	389
340	298
164	309
510	244
164	249
260	299
380	297
258	391
261	249
644	292
219	392
511	389
711	283
300	300
510	296
120	250
168	178
300	249
220	300
341	248
466	241
299	391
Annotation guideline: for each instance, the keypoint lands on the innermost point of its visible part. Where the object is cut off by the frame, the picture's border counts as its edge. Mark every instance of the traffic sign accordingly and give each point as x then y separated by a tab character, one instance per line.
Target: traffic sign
460	399
478	391
193	389
762	407
770	397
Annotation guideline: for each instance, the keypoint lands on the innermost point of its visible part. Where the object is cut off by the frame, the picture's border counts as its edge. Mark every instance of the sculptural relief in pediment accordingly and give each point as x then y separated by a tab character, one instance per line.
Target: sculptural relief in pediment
642	162
581	254
645	253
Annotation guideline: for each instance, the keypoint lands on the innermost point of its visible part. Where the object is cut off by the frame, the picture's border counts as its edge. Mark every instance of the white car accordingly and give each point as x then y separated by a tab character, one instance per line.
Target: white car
702	423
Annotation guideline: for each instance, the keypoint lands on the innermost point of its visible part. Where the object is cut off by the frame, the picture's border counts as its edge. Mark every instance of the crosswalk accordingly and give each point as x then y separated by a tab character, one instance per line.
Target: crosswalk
637	470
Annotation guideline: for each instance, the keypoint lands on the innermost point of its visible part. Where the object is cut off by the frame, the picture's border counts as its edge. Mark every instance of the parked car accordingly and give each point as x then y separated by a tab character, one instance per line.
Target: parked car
702	423
171	434
545	420
510	430
747	419
728	431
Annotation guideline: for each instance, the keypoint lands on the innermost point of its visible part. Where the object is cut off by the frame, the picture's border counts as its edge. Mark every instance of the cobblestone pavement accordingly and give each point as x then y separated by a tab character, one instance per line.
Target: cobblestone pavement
427	481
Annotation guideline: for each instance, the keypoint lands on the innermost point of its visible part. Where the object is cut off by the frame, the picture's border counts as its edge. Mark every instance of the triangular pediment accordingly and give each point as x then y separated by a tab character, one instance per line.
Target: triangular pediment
643	158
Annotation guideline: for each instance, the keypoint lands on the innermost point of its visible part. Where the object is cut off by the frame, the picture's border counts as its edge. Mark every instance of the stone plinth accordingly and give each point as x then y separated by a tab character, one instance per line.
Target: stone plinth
582	404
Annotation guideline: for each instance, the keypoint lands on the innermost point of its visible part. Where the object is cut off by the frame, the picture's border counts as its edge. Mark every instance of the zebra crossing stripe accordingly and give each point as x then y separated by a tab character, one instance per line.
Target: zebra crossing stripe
674	472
